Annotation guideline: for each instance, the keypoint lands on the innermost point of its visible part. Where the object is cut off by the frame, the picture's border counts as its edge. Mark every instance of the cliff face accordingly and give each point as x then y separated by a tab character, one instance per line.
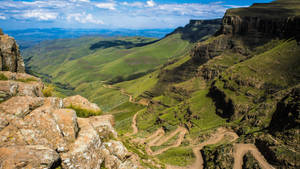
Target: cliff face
279	19
44	132
10	58
261	28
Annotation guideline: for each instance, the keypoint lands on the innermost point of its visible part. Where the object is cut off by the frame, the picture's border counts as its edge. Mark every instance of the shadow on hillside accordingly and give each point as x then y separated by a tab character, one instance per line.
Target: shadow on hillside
119	43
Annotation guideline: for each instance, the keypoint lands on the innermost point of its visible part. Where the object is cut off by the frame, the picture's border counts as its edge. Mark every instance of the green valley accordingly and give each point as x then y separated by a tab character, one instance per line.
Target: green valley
213	94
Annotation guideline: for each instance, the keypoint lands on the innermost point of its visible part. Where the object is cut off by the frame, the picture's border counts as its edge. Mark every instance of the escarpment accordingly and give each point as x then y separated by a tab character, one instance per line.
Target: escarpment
198	30
261	21
252	68
10	58
45	132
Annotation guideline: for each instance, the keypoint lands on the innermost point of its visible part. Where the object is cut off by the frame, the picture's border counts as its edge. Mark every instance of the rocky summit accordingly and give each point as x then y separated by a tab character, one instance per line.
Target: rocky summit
43	132
11	59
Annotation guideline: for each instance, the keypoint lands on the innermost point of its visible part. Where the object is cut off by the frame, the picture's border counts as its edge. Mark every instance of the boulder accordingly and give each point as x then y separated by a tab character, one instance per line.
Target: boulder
34	156
67	122
84	152
103	125
13	88
21	105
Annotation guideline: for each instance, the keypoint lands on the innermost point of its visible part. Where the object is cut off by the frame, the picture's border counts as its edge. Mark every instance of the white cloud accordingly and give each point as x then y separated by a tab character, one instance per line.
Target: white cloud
133	4
2	17
40	15
80	0
106	5
83	18
150	3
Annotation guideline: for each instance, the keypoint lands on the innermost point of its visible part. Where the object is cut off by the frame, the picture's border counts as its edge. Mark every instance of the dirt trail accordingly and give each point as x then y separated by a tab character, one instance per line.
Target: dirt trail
160	140
214	139
133	125
241	149
157	139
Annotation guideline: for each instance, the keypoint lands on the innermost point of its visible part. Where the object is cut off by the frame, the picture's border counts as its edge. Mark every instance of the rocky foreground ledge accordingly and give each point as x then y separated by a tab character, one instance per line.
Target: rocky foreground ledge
40	132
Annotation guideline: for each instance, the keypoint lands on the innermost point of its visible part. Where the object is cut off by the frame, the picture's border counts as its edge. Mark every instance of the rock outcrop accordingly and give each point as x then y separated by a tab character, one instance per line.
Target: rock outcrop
42	132
10	58
79	101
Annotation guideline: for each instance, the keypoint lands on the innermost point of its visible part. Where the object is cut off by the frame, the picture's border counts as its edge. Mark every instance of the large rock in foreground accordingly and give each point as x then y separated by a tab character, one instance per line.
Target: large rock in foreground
39	132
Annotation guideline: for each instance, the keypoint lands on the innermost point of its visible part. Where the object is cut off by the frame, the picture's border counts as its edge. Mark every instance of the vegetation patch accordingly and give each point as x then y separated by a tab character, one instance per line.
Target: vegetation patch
123	116
84	112
179	156
48	90
27	80
3	77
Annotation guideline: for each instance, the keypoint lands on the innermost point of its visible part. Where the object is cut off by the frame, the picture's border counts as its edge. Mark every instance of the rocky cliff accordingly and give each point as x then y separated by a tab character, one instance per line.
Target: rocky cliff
43	132
259	22
10	58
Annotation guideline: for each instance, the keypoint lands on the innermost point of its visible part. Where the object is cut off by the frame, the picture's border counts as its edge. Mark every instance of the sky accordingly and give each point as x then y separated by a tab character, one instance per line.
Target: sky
111	14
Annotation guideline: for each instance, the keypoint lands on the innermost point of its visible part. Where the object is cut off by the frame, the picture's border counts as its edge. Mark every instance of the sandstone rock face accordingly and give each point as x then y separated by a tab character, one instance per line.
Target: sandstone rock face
10	58
35	156
79	101
39	132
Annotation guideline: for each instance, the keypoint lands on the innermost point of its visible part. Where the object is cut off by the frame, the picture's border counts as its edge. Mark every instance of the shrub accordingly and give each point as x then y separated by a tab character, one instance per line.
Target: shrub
48	90
27	80
3	77
81	112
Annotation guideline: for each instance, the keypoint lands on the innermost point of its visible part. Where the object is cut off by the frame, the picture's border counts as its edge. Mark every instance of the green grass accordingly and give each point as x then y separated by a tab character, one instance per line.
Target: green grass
27	80
179	156
123	116
81	112
48	90
3	77
204	109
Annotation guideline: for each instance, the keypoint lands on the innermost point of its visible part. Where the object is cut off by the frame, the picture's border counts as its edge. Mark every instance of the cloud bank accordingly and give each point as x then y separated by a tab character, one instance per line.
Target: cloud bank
139	14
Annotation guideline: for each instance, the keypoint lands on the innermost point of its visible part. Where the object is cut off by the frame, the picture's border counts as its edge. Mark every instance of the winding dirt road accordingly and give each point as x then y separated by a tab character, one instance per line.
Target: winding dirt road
158	141
214	139
241	149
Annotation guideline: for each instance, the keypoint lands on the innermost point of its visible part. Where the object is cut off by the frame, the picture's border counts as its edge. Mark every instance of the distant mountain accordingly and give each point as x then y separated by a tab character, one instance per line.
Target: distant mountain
29	37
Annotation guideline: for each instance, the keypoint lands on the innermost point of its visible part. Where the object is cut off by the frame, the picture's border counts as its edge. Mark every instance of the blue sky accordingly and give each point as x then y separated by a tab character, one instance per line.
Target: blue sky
111	14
